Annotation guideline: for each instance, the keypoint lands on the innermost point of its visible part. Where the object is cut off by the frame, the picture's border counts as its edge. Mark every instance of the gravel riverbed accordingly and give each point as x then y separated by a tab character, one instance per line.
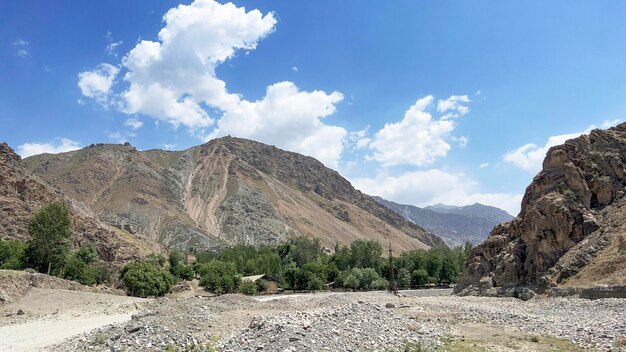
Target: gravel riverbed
374	321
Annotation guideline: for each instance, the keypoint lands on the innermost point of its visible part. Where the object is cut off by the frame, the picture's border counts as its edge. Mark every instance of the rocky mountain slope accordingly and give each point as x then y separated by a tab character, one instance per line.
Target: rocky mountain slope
22	193
478	210
455	225
571	228
226	191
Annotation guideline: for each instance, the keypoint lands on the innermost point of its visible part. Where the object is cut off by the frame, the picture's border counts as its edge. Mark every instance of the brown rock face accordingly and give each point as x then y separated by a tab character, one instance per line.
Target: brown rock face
571	212
227	191
22	193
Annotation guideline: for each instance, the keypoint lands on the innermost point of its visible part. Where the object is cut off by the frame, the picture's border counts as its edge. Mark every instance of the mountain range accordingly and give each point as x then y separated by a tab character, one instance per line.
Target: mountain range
455	225
225	192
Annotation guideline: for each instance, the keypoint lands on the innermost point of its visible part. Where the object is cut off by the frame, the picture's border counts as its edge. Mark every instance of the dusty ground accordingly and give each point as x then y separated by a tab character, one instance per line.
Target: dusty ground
52	315
59	320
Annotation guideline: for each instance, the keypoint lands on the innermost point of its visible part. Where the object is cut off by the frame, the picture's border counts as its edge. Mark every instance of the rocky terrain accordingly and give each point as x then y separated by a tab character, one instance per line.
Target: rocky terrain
226	191
455	225
571	228
22	193
373	321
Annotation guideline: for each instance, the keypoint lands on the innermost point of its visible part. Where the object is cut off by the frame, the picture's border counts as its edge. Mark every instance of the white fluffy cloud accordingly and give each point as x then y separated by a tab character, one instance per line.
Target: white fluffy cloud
290	119
417	139
434	186
530	156
59	145
97	83
453	106
174	80
133	123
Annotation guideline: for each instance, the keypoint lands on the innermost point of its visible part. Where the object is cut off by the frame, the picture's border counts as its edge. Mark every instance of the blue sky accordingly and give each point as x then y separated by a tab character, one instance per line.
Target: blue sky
417	101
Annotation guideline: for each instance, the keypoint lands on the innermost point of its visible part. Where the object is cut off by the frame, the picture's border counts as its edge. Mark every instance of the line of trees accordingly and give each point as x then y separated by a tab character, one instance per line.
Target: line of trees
299	264
49	250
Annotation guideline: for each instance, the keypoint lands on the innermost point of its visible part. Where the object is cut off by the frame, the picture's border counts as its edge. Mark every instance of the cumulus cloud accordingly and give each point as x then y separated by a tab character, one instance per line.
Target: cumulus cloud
133	123
290	119
60	145
529	157
418	139
434	186
97	83
453	106
173	79
483	165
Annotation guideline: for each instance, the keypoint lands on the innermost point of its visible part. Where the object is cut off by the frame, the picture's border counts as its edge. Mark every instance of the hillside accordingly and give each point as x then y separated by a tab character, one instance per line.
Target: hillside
22	193
455	225
570	231
226	191
478	210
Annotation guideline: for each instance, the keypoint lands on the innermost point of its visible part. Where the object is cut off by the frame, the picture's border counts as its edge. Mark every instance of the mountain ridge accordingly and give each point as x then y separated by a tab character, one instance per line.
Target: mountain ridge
453	226
226	191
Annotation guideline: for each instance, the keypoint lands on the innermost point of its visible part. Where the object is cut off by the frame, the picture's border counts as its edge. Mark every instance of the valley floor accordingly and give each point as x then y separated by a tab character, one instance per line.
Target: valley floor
60	320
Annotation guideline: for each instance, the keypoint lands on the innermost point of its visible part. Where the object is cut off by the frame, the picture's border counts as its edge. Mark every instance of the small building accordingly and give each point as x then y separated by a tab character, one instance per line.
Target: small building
271	284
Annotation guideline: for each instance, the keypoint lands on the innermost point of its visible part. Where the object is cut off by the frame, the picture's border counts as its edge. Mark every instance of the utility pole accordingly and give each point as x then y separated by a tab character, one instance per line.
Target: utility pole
392	277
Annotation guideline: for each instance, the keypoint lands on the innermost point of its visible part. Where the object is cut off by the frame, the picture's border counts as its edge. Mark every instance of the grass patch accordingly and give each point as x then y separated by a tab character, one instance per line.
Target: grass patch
550	343
450	345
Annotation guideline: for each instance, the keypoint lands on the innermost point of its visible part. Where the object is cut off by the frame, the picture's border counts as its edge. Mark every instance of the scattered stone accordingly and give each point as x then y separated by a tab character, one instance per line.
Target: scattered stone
20	312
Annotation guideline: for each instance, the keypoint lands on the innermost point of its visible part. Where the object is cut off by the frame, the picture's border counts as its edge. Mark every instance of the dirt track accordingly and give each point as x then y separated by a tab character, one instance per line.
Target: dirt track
51	316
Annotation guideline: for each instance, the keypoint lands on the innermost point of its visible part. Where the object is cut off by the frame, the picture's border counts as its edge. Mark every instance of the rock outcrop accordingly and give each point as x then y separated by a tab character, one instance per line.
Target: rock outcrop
227	191
572	218
22	193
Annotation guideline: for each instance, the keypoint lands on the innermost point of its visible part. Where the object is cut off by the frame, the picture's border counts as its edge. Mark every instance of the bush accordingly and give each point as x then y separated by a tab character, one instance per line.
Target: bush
261	285
77	270
83	266
50	233
12	255
144	279
247	288
183	271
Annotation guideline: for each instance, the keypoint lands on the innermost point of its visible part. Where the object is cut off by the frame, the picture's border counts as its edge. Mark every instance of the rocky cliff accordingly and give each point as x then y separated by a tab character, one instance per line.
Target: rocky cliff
570	227
455	225
226	191
22	193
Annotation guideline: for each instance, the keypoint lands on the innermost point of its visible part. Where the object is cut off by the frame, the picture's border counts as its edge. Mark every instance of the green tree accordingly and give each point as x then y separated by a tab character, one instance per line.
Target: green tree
366	254
219	277
420	277
12	254
449	269
247	288
144	279
50	233
404	278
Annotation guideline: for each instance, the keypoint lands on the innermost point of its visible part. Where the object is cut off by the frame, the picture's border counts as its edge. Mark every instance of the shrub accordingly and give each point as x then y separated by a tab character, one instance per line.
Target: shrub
77	270
261	285
50	233
247	288
144	279
12	255
183	271
83	266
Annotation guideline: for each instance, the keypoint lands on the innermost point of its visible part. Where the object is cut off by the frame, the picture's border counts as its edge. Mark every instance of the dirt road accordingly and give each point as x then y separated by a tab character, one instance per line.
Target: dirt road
51	316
